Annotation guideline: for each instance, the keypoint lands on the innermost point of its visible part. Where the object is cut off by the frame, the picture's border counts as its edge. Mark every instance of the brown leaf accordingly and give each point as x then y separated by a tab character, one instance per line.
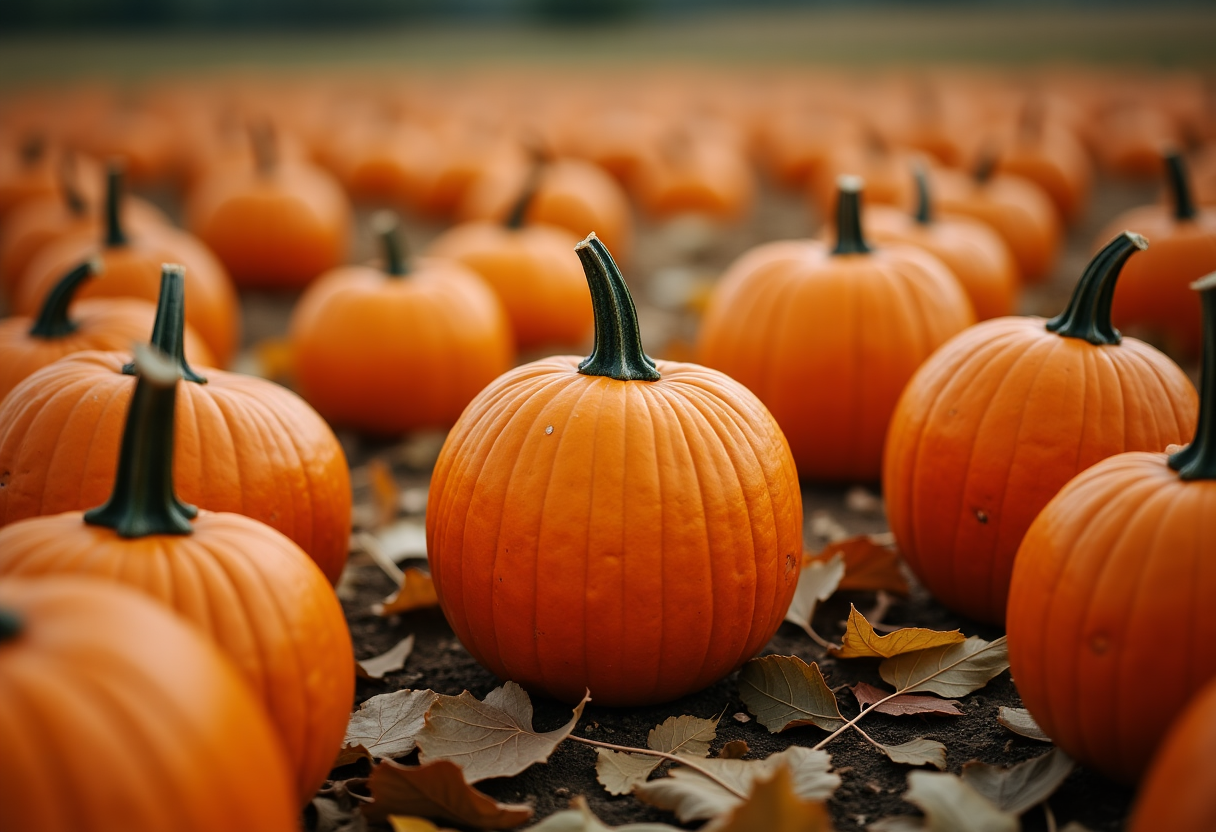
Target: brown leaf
785	692
1021	722
391	660
580	818
275	358
904	703
950	805
860	640
493	738
917	752
402	823
734	750
384	491
868	566
620	773
338	816
352	753
387	725
437	790
773	806
817	582
1023	786
952	670
417	591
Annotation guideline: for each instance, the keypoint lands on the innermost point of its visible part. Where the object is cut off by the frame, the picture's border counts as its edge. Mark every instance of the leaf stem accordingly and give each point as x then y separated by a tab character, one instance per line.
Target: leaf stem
1050	816
675	758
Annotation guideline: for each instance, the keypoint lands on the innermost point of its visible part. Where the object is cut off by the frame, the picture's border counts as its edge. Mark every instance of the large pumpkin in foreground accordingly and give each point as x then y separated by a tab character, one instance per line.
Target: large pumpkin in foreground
616	524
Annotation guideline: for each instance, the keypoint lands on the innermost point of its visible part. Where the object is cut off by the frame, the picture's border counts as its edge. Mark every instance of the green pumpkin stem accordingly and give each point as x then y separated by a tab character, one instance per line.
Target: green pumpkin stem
388	228
115	236
849	239
1180	186
924	202
143	501
11	625
169	327
1087	315
527	195
618	349
53	320
1197	461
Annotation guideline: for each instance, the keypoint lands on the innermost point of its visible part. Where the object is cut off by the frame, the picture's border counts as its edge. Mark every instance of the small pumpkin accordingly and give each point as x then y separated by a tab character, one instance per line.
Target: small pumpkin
114	714
1048	153
614	523
30	169
693	174
1006	413
1178	792
267	606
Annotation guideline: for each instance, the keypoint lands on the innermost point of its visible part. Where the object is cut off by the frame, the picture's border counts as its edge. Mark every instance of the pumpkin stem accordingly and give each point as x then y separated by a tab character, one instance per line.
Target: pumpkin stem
618	349
52	320
1031	118
388	229
924	203
33	148
11	625
985	165
169	327
265	148
1088	313
1180	186
527	195
68	181
849	239
115	236
143	501
1197	461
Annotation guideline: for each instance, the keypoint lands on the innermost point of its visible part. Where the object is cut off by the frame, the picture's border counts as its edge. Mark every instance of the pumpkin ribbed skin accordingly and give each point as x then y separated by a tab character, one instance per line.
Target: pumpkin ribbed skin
254	591
1179	789
992	426
244	445
117	717
644	547
1114	576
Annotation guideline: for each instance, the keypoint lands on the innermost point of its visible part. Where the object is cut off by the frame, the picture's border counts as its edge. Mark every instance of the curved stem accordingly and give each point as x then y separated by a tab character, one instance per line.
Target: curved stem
849	239
527	195
143	501
1087	315
675	758
11	625
1180	186
52	320
388	229
169	328
618	349
114	233
1197	461
924	204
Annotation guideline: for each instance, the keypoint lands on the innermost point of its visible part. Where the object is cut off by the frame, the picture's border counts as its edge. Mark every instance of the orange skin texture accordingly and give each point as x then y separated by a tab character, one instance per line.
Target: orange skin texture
276	230
1154	293
101	324
244	445
993	425
1178	791
644	547
535	273
827	342
976	254
1057	163
105	694
134	270
257	594
1115	575
388	354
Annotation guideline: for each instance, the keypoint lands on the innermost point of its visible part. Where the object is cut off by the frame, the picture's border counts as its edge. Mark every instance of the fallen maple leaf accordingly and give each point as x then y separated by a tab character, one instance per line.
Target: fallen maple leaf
1021	722
387	725
903	704
437	790
951	670
1023	786
417	591
491	738
860	640
917	752
580	818
387	662
817	582
785	692
950	805
773	806
868	565
618	771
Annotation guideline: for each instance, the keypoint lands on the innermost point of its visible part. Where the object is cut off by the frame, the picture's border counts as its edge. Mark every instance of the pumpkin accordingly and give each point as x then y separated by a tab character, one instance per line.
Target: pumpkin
117	717
399	349
101	324
1116	575
267	606
616	524
1002	416
884	170
276	226
1154	295
245	445
132	264
384	162
827	337
1049	154
690	173
31	169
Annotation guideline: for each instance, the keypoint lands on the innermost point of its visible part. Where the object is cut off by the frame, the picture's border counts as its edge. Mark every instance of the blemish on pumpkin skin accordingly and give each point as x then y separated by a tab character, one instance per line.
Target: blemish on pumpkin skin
548	430
982	516
1099	643
4	478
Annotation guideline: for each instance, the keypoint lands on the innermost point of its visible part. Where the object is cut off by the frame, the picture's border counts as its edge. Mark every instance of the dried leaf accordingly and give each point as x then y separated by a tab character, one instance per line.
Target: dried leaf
387	725
403	539
688	735
275	358
822	524
952	670
401	823
437	790
1021	722
417	592
384	491
950	805
1023	786
904	703
785	692
817	582
391	660
868	565
773	806
493	738
862	501
352	753
693	796
333	816
620	773
860	641
917	752
734	750
898	823
580	818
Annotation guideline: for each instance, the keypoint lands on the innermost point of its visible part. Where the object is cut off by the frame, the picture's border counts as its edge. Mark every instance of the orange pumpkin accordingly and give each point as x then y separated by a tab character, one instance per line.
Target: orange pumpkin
692	174
1178	792
569	494
1116	574
1050	155
883	168
31	169
995	423
255	592
399	349
246	445
827	338
117	717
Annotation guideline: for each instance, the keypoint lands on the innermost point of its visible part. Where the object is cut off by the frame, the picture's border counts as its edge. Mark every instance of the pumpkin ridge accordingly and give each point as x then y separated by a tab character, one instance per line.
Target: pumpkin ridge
656	396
